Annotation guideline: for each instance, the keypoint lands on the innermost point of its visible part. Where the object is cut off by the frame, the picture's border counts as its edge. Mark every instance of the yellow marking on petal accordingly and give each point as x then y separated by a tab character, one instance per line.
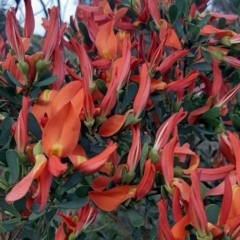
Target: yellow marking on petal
108	165
81	159
75	219
106	54
56	149
37	56
133	191
122	35
46	95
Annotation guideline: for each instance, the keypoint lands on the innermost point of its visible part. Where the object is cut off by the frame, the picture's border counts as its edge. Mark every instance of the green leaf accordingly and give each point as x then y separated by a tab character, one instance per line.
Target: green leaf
6	127
235	78
9	225
130	119
144	155
173	13
187	105
157	96
212	213
35	216
83	191
85	34
131	92
33	126
145	139
159	179
14	166
71	182
50	215
11	79
9	208
236	121
74	204
206	56
135	218
101	85
50	233
195	32
202	66
204	21
3	156
46	82
212	113
213	122
181	5
222	23
10	97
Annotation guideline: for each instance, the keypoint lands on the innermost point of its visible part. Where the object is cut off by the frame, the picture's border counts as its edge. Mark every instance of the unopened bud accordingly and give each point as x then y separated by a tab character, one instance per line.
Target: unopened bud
217	55
38	149
130	177
23	67
89	124
154	156
225	41
42	66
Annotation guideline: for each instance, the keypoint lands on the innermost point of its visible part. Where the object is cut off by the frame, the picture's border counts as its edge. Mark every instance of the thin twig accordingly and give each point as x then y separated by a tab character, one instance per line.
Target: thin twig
18	232
97	229
116	220
44	8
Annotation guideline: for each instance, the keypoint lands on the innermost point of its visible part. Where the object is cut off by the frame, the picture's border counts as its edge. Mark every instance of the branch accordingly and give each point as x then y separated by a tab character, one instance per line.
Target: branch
59	5
44	8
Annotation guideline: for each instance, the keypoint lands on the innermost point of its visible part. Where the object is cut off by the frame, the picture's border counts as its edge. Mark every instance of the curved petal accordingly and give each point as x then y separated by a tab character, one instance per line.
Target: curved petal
111	199
113	124
61	133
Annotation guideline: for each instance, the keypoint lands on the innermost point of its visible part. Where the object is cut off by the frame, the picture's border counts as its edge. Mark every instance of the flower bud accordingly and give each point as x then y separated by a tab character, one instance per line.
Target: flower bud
217	55
130	177
225	41
42	66
23	67
38	149
154	156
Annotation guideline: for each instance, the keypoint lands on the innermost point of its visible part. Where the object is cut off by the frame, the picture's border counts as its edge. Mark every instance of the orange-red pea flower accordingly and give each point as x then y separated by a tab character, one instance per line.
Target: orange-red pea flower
135	149
20	127
92	165
207	30
164	230
111	199
106	41
172	39
60	137
13	35
85	63
113	124
73	92
72	226
147	181
21	188
29	23
52	36
215	15
167	128
58	68
167	63
196	208
178	231
143	93
44	104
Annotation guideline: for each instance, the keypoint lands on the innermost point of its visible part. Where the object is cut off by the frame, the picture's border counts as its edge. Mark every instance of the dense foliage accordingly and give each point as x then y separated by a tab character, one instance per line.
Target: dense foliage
124	131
